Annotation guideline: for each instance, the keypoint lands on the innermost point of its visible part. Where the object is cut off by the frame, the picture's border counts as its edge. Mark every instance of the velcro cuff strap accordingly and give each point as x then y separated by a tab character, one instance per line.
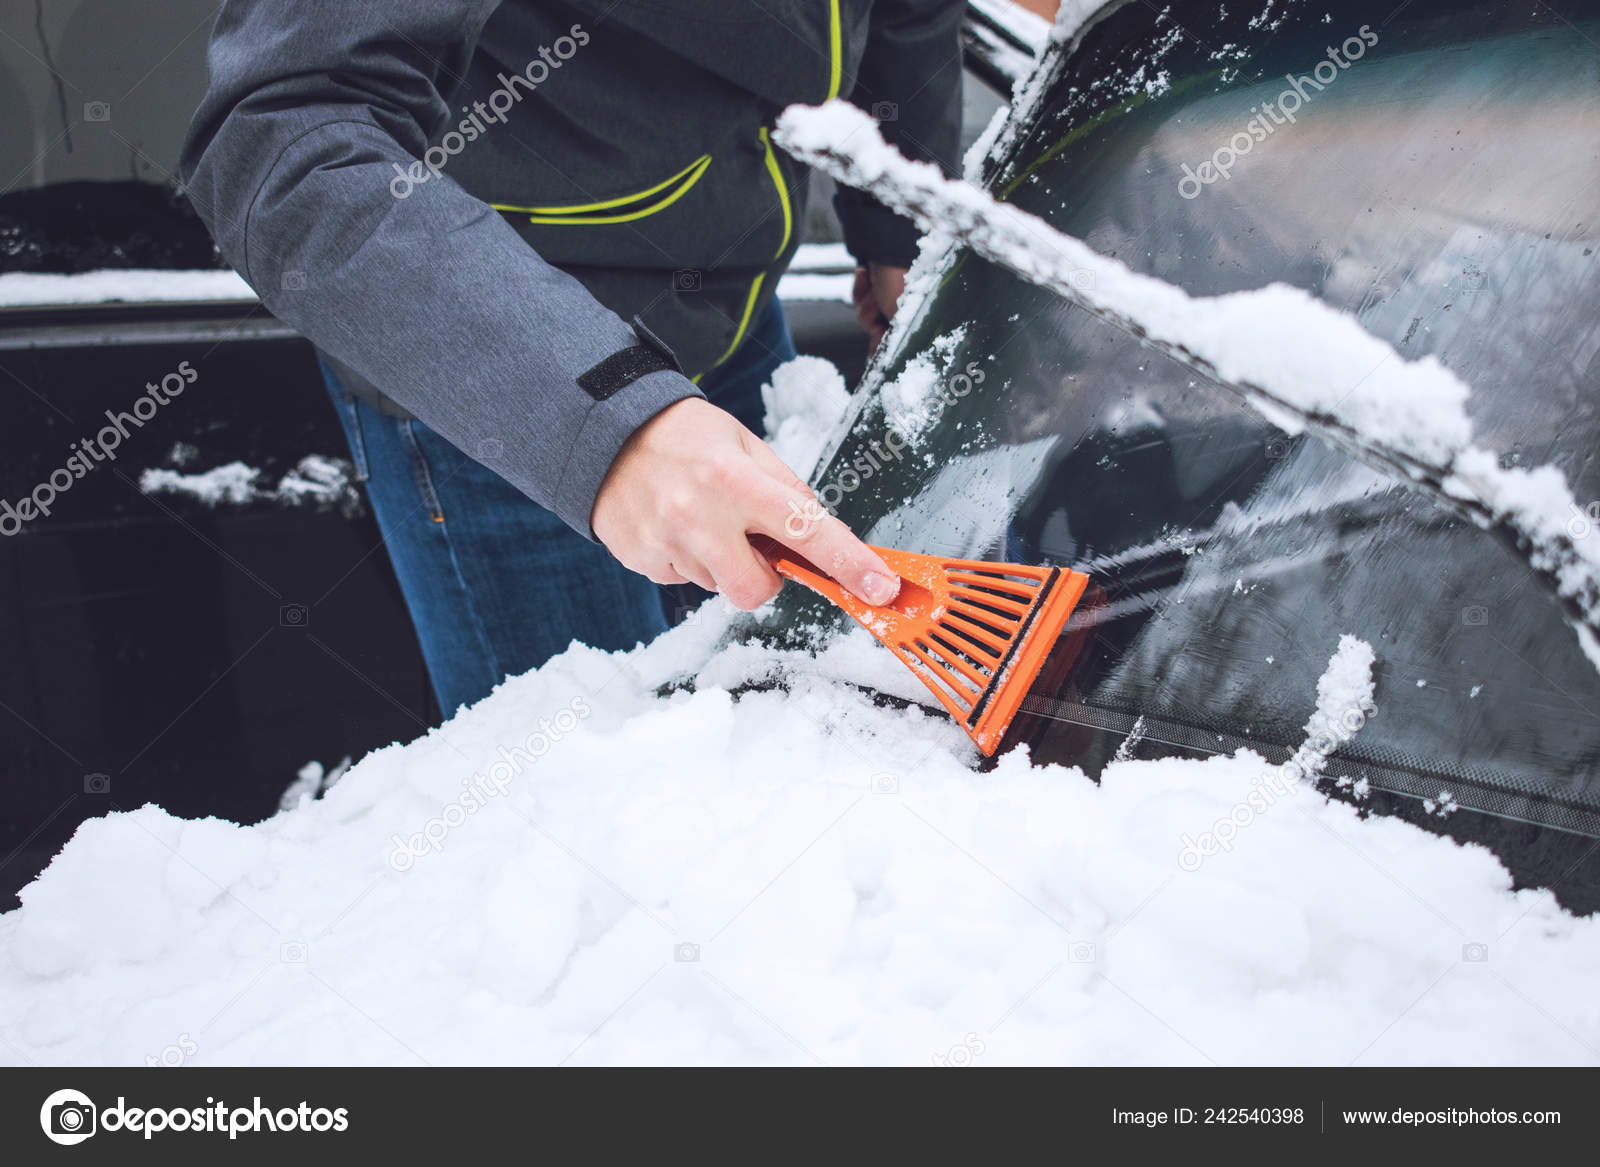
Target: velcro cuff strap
622	369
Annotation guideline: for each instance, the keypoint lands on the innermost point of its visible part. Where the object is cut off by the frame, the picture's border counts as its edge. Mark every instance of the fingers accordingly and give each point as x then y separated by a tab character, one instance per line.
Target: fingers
885	286
867	314
829	545
667	576
679	501
695	574
742	574
795	518
869	311
775	466
888	285
861	289
875	335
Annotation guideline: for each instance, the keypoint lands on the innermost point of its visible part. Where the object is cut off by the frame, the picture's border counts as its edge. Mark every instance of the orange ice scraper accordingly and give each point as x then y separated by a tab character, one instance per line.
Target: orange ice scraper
976	633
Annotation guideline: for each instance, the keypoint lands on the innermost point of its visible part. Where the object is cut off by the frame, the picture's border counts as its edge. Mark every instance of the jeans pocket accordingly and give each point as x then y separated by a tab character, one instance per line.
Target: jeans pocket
419	468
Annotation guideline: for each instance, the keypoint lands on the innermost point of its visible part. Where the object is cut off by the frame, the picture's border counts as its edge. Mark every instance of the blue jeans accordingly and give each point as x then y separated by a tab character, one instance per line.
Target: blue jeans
497	585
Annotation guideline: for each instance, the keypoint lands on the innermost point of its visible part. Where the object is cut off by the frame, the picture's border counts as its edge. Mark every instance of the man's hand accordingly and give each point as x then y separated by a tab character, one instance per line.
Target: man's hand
692	482
876	294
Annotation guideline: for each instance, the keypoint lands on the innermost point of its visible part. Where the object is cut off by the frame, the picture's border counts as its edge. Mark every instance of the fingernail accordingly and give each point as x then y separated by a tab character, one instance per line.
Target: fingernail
880	589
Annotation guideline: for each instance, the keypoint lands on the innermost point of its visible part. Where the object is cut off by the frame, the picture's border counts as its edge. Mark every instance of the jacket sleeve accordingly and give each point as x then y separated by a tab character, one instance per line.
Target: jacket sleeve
312	111
910	80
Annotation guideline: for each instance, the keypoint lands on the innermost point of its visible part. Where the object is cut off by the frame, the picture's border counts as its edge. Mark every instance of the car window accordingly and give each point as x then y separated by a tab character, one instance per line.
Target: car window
1430	168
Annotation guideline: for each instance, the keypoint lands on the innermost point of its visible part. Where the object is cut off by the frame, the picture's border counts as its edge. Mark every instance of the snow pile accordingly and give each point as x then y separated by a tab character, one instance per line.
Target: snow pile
581	870
317	480
804	401
1298	362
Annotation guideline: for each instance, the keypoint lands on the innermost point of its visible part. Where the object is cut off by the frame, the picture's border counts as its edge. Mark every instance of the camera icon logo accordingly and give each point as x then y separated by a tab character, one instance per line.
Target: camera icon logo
97	111
293	616
1472	278
1277	449
292	952
1475	616
68	1117
686	279
294	281
1081	952
885	111
491	449
885	784
1583	521
686	953
1475	953
97	783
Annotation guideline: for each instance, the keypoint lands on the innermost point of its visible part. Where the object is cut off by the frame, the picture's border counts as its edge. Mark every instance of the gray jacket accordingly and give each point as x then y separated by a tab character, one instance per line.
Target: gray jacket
532	224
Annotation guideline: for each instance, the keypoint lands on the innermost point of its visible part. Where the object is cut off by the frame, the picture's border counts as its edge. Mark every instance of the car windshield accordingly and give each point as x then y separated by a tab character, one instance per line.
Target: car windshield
1432	170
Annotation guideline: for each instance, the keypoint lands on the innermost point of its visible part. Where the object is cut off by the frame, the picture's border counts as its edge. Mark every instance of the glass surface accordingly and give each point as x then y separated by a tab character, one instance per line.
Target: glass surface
1444	189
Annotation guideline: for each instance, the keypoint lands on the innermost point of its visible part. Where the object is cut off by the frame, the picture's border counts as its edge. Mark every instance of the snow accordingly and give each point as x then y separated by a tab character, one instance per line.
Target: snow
934	252
804	401
130	285
1029	27
810	286
822	257
1014	51
1298	362
977	155
317	480
311	780
232	482
582	870
808	281
912	401
819	271
1346	684
1072	18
